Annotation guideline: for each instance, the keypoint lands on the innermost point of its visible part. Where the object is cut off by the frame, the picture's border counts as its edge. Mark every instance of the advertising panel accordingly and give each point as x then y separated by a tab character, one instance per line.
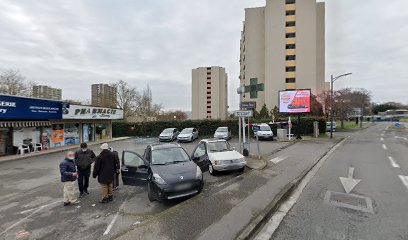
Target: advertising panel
72	111
13	107
57	135
294	101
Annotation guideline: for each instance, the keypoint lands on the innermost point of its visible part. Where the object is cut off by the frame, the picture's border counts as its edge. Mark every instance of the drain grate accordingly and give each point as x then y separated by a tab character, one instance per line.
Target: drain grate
350	201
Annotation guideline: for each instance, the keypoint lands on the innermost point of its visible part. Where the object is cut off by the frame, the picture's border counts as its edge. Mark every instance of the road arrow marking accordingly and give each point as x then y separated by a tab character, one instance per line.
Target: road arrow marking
349	183
404	180
278	159
393	163
384	147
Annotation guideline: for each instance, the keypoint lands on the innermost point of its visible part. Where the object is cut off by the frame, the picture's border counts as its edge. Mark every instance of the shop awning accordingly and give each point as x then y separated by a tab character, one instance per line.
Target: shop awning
25	124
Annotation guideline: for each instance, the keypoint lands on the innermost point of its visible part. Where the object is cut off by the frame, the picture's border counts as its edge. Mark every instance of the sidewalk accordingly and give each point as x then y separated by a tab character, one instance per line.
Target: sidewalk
227	210
55	150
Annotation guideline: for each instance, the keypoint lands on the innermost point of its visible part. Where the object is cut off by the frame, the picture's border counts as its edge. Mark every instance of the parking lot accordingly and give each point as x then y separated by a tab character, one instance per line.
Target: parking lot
31	200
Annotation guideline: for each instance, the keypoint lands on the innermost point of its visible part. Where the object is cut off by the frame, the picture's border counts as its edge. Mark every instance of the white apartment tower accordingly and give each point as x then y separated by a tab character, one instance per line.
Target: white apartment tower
282	47
209	93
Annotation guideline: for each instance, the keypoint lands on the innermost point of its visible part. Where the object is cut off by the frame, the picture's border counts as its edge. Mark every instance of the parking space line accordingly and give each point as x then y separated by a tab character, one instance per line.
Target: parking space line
404	180
278	159
393	163
384	147
109	228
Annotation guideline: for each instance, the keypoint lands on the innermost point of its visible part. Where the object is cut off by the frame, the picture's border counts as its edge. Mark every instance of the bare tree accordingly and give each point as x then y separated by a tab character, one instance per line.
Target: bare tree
128	98
12	82
146	107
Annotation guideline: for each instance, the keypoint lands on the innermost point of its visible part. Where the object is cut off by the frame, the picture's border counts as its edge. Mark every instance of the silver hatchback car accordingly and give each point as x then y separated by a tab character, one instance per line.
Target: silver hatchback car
222	133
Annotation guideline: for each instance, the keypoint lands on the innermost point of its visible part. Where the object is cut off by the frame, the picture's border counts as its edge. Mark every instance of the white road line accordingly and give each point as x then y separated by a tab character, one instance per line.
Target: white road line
382	134
393	163
267	231
278	159
28	216
109	228
382	139
384	147
404	180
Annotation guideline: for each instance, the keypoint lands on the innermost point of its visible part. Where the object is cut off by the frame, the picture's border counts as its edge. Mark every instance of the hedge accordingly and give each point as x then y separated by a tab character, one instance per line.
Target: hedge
206	127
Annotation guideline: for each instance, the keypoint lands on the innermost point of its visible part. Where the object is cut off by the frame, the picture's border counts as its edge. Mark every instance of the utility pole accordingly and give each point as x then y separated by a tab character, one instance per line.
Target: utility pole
332	80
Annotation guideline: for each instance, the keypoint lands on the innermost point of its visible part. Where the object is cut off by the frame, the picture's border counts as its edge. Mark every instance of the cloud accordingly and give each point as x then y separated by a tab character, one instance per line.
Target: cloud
71	44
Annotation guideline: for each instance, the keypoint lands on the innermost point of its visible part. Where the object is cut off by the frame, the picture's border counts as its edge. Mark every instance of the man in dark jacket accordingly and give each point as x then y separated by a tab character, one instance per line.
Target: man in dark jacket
68	177
116	176
105	168
84	159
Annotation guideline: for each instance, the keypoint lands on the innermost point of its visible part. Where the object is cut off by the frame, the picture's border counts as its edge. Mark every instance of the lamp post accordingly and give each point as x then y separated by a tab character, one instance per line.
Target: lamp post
332	80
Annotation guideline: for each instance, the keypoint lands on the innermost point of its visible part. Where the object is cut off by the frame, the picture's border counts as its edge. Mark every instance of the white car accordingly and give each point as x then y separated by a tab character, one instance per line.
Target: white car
168	134
222	133
218	155
188	135
264	132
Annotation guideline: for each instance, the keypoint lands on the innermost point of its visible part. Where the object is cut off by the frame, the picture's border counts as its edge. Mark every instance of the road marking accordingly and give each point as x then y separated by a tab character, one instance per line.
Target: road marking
384	147
393	163
276	219
109	228
404	180
397	137
278	159
28	216
349	183
382	139
382	134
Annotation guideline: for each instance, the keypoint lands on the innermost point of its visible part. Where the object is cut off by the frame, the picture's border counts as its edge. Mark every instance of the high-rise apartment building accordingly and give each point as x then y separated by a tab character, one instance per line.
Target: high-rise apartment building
104	95
209	93
282	47
46	92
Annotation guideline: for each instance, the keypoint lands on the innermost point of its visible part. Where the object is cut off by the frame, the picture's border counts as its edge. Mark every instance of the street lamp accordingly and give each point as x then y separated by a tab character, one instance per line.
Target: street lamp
333	79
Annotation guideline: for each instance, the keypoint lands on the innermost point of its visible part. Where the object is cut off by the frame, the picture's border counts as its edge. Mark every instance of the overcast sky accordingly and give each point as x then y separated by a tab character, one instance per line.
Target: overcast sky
74	43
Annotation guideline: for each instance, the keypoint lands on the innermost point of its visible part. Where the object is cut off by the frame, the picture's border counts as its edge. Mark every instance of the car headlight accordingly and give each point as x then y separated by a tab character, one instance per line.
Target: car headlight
158	179
199	173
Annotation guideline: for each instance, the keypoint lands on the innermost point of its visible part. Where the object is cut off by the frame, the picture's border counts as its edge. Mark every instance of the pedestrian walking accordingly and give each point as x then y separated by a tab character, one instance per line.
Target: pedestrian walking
68	177
84	159
105	169
117	172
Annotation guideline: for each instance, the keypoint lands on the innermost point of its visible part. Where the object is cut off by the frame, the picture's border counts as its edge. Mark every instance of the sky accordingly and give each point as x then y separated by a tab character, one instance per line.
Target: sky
71	44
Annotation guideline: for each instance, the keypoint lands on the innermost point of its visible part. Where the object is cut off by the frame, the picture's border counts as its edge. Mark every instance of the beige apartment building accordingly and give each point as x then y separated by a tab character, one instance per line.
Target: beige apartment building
103	95
282	47
209	93
47	92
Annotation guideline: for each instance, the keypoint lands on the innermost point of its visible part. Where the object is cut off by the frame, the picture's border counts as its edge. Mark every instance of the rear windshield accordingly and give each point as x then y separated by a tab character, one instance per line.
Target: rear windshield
222	129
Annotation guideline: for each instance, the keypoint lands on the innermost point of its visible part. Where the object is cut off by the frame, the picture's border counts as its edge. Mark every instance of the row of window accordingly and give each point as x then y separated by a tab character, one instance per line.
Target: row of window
290	35
290	1
290	24
290	46
290	80
290	57
291	69
290	12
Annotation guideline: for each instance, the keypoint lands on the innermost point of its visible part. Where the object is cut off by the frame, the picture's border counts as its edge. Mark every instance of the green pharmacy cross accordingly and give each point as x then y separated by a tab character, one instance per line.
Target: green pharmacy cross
254	88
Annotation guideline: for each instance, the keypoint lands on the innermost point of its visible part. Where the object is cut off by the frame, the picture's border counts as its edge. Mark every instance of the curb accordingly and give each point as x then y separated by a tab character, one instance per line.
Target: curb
58	150
257	222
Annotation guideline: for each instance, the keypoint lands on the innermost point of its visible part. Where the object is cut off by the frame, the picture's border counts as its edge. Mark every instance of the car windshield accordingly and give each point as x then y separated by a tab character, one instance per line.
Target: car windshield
187	130
219	146
222	129
169	156
264	128
168	130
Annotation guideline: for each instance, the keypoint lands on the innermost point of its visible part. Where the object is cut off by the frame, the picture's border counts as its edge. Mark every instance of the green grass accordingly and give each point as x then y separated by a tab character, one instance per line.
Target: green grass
348	125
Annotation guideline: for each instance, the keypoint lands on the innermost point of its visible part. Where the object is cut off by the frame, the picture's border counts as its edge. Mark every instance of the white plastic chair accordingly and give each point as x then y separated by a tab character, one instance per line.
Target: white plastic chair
37	147
23	149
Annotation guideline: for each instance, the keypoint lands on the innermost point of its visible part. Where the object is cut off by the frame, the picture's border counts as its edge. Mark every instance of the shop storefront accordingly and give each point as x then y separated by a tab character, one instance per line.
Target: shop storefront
29	122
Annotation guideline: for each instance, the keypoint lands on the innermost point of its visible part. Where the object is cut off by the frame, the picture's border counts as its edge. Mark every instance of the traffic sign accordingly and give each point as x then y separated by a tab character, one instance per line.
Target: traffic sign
247	113
248	104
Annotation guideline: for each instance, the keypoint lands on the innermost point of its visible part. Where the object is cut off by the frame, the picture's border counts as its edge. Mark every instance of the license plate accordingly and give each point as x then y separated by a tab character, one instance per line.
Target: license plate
183	186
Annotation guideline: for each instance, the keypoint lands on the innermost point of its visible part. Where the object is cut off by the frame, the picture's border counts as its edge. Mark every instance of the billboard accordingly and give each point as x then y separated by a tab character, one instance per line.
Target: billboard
294	101
72	111
13	107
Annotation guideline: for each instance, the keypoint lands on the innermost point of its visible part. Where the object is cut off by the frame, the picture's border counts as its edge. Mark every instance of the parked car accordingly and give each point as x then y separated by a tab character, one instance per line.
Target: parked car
264	132
166	169
222	133
328	126
217	155
188	135
169	134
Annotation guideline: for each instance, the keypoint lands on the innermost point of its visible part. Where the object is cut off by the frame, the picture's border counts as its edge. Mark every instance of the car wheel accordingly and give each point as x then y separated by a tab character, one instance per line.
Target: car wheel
241	169
150	193
211	170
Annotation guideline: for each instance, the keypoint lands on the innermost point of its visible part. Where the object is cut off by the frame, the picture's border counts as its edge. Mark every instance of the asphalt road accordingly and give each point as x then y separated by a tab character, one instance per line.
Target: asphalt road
375	209
31	199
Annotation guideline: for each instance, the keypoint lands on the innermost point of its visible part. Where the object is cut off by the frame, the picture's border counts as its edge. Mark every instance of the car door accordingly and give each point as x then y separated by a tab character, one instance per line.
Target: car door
195	133
200	156
135	170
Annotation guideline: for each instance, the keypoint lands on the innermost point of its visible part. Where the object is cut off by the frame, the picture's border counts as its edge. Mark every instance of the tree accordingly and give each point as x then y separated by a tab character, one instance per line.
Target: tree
13	83
264	113
316	108
180	115
145	106
377	108
128	98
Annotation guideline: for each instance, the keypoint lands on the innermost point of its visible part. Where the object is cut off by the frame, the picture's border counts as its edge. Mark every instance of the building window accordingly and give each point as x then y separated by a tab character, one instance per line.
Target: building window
208	111
290	80
290	57
290	24
290	12
208	68
290	46
208	92
290	1
290	69
208	97
290	35
208	107
208	88
208	77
